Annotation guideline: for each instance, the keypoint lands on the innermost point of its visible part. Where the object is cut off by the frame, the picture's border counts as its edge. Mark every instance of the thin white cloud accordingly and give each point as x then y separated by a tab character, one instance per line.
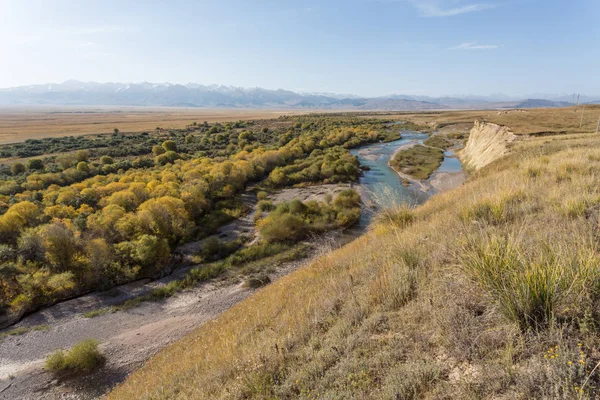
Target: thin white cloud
434	8
475	46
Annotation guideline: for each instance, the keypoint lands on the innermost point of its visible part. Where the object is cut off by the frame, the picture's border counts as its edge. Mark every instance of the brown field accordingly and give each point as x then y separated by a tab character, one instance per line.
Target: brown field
20	124
526	121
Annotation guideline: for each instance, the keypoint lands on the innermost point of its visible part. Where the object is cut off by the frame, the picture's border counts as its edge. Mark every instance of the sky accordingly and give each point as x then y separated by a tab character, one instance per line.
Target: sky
362	47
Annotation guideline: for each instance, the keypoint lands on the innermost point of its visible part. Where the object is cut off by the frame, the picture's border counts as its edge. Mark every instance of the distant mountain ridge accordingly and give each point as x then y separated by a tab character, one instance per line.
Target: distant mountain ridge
77	93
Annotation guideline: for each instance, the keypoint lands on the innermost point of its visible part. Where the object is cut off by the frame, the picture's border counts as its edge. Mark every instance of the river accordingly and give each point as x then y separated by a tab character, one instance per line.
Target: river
381	185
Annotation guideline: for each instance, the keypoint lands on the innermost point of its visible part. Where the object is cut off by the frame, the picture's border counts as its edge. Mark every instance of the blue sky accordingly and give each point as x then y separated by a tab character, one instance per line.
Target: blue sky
364	47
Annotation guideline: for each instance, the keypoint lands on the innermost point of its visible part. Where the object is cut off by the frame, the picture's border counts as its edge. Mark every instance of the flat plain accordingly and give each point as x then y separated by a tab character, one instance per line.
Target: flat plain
20	124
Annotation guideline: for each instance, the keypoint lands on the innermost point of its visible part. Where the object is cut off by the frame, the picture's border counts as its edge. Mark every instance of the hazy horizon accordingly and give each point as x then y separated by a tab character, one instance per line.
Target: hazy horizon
492	96
362	47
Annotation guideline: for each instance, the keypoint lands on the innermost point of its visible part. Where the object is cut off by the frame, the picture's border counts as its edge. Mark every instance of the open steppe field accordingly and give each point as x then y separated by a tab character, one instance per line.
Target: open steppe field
521	121
20	124
23	123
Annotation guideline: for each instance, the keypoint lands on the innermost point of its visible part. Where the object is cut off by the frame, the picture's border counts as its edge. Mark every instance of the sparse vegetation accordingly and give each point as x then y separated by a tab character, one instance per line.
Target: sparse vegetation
418	161
294	220
437	141
23	330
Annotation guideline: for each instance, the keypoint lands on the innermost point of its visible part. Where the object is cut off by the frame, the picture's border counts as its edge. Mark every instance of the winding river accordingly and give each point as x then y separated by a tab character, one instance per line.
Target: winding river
380	185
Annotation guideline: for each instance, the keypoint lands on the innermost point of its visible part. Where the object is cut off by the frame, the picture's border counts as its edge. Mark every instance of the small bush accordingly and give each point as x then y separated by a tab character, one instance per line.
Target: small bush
282	227
257	281
106	160
265	205
83	357
35	164
261	195
17	168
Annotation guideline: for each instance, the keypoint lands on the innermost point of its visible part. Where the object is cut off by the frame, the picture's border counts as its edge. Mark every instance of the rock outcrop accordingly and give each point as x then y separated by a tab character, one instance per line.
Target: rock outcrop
487	142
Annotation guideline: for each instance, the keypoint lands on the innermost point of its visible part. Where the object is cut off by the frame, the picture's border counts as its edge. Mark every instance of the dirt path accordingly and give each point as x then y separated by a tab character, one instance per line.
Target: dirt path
128	338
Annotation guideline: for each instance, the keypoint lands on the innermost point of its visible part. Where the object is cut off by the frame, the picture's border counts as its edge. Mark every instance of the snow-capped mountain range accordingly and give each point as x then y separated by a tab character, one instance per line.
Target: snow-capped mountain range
77	93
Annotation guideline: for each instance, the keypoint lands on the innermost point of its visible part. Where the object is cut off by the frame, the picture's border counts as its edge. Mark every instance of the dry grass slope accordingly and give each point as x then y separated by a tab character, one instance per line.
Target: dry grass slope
488	291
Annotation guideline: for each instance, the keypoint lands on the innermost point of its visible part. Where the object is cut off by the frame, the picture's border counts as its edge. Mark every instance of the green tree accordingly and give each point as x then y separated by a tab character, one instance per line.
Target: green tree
152	251
35	164
61	246
169	145
17	168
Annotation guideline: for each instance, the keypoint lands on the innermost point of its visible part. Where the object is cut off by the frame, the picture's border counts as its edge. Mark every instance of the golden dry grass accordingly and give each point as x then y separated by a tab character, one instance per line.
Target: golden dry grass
539	120
406	311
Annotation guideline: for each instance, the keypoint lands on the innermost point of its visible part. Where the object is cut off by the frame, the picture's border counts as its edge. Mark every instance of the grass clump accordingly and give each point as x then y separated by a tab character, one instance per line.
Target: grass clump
84	357
257	281
400	216
533	288
21	330
418	161
99	312
500	209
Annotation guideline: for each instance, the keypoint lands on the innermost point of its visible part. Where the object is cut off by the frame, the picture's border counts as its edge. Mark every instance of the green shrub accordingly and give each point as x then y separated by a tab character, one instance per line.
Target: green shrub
215	249
83	167
35	164
169	145
261	195
347	199
83	357
17	168
265	205
158	150
256	252
106	160
283	227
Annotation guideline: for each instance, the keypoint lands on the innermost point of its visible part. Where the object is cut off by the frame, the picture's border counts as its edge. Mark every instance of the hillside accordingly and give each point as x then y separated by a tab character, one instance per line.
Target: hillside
487	291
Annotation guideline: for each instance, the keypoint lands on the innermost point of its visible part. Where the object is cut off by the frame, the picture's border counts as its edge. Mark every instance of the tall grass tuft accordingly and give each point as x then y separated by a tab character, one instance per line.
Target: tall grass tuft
397	281
533	287
391	211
